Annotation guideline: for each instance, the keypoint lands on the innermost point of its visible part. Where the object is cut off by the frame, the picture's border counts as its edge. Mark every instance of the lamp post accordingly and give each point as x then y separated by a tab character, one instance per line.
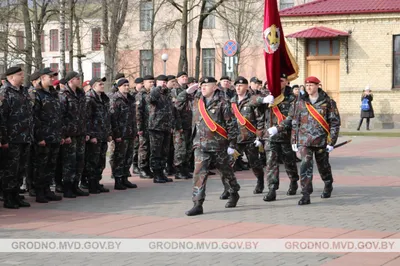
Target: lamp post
164	57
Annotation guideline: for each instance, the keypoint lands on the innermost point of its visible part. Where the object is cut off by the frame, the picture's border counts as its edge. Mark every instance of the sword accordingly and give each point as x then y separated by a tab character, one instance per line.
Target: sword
320	151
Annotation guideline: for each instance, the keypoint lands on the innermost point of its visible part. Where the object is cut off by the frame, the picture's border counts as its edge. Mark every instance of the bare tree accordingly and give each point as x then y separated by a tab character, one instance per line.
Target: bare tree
71	35
28	40
62	38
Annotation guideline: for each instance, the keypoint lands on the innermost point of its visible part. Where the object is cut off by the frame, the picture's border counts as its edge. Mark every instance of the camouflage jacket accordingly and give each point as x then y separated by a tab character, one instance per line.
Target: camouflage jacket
284	107
47	116
98	123
16	120
306	131
73	107
142	110
255	115
229	93
184	108
122	110
177	121
160	115
220	112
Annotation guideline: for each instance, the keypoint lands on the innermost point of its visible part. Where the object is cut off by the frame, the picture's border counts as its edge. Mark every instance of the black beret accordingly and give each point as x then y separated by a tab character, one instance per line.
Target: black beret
241	80
192	80
48	71
295	86
122	82
138	80
206	80
35	76
259	82
225	78
63	81
119	76
148	77
162	78
254	79
171	77
283	76
182	73
94	80
13	70
70	75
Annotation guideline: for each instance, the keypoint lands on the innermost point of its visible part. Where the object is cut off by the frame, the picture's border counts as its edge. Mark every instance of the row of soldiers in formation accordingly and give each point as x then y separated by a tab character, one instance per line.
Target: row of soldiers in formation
216	123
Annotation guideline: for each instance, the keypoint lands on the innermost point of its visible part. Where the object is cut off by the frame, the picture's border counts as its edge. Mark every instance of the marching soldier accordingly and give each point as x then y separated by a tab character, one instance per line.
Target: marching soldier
279	144
142	120
47	133
136	170
251	122
74	124
315	123
98	126
16	122
215	134
160	128
123	132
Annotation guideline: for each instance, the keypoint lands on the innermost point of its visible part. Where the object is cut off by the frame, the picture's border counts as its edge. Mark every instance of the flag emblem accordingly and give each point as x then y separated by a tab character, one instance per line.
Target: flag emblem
272	39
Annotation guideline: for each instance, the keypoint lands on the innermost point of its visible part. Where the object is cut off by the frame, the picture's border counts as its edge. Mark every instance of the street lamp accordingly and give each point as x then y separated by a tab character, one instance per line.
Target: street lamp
164	57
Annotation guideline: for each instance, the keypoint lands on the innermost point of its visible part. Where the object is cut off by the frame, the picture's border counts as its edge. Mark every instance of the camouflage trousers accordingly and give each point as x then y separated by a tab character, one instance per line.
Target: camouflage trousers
183	148
159	149
135	155
29	180
306	167
274	150
171	152
122	158
15	165
58	172
95	155
253	157
202	162
144	151
45	163
73	159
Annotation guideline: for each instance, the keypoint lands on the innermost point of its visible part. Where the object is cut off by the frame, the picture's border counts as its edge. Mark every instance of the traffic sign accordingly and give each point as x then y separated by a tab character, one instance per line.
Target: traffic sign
230	48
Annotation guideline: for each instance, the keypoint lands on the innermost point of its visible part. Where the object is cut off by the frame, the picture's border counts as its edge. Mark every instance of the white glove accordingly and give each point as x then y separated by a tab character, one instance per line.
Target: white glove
294	148
192	88
272	131
231	151
257	143
329	148
269	99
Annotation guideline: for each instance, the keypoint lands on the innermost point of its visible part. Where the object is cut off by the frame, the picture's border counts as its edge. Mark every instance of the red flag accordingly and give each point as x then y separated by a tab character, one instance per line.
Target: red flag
277	56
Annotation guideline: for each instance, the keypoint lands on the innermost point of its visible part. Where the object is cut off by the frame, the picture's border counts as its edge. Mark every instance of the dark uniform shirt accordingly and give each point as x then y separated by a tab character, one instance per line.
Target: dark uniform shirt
98	123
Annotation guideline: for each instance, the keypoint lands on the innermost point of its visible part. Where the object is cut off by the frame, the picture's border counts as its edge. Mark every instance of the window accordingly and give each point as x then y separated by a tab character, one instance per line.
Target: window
396	61
209	22
54	40
67	32
145	62
323	47
43	45
286	4
208	59
20	40
96	39
96	70
54	67
146	15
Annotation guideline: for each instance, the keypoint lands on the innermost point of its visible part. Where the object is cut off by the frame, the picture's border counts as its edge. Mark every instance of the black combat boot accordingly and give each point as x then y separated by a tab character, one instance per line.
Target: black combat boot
93	187
84	183
232	201
59	188
271	196
101	187
68	190
18	200
40	197
32	192
180	173
128	184
145	174
224	195
292	188
77	191
9	201
118	184
305	199
50	195
242	164
327	190
196	210
159	177
260	185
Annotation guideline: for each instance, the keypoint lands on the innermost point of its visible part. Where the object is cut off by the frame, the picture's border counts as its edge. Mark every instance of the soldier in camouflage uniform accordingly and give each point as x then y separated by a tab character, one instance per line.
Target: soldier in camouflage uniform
142	120
177	124
98	127
160	128
47	133
135	159
122	110
16	125
279	144
74	126
312	137
211	144
251	122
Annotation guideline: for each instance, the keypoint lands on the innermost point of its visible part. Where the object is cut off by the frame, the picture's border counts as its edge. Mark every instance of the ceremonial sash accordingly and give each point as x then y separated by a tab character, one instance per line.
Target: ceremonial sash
320	119
278	114
242	120
214	127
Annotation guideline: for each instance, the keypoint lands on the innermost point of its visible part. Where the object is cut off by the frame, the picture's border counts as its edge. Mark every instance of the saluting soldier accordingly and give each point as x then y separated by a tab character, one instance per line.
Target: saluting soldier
215	133
315	123
16	122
